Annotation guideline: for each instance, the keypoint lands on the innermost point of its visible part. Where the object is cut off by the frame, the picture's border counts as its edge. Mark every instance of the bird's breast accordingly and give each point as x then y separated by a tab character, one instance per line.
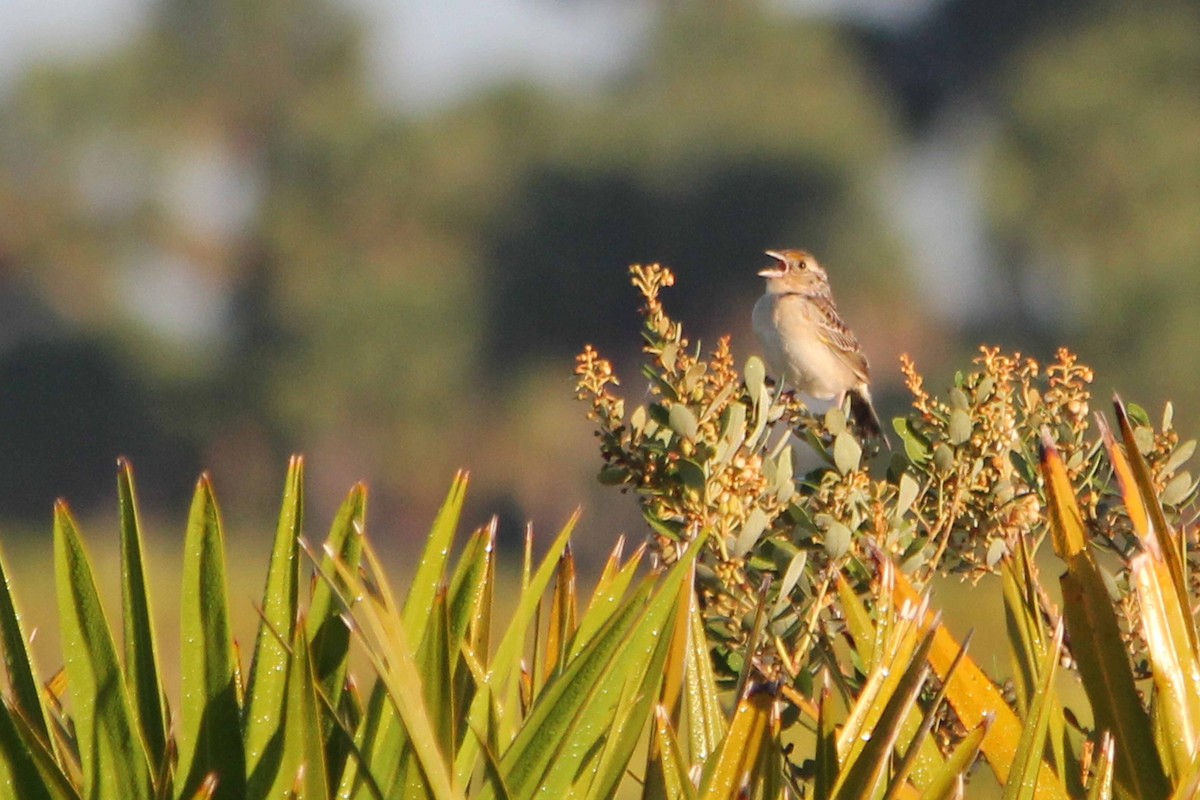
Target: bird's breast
794	349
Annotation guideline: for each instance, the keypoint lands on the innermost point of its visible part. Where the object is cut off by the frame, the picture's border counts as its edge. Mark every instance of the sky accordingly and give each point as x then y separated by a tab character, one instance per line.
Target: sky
425	52
38	30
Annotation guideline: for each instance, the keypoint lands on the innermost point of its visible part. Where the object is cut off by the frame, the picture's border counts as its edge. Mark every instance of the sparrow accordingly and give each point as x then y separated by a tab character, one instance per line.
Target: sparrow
805	340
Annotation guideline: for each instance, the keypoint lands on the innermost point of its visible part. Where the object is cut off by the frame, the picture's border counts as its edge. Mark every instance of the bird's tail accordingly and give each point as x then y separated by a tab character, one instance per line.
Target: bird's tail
864	414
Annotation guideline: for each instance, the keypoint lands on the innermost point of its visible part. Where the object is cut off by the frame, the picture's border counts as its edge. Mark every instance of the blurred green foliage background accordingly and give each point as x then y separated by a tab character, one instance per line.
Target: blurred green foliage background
221	241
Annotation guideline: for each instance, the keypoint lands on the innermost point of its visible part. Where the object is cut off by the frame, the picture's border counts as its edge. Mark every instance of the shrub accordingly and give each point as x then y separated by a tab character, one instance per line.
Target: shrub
820	581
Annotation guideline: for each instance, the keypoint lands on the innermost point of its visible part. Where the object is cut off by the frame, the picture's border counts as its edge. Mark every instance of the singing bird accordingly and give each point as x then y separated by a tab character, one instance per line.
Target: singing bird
805	340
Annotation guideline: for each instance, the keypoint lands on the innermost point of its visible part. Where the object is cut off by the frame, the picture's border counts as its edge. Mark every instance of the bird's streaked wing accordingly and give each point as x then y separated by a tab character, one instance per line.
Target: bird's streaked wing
834	332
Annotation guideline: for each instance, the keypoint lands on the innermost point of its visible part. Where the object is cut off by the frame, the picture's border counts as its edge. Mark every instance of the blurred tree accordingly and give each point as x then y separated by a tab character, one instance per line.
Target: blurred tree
1095	191
286	264
69	408
743	129
958	48
224	204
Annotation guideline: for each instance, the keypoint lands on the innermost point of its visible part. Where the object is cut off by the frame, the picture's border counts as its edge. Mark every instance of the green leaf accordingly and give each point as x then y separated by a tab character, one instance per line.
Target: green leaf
960	427
791	577
613	476
1023	779
1179	457
1147	515
748	738
471	591
487	739
431	571
892	661
943	458
667	774
1096	640
675	666
301	771
826	767
394	660
18	661
111	751
637	420
365	772
865	774
762	405
906	494
209	713
142	673
784	485
635	706
557	740
693	376
997	550
23	774
606	597
436	664
976	699
1177	489
1028	644
946	784
752	529
755	374
835	421
922	760
1176	672
328	635
859	624
564	615
683	421
733	433
916	446
1138	415
1187	788
1108	680
691	474
837	538
1102	776
702	717
507	656
266	690
847	452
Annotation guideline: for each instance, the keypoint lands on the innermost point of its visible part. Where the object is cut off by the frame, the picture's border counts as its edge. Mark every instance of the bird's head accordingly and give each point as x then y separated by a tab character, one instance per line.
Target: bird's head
793	271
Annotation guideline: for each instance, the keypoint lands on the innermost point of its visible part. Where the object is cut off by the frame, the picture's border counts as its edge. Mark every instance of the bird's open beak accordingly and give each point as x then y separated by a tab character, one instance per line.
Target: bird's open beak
775	270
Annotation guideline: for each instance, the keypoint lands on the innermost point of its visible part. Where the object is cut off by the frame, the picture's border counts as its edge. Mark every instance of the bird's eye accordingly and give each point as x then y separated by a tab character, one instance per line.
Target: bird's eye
802	265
